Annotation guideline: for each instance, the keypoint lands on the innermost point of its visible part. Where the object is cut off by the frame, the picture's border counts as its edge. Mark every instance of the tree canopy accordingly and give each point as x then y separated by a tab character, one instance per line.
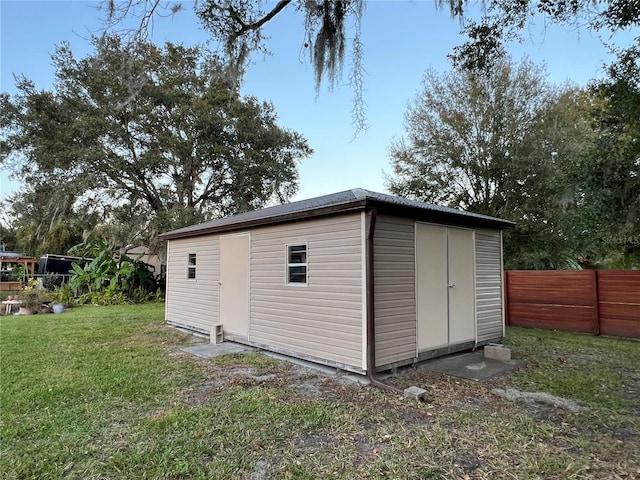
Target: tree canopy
495	143
238	26
607	198
506	21
147	137
562	162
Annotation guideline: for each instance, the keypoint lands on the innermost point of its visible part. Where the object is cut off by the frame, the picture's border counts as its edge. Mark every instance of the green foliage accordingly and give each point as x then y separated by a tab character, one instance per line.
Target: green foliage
563	163
607	201
140	139
33	297
18	274
237	25
7	229
107	280
63	294
46	221
496	144
505	22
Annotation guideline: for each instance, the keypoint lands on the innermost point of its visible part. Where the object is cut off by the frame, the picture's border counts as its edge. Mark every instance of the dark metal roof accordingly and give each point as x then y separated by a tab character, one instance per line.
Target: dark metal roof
337	203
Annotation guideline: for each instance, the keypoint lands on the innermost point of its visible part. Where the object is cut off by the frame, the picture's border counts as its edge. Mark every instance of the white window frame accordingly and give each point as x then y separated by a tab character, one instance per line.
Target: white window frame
192	267
289	264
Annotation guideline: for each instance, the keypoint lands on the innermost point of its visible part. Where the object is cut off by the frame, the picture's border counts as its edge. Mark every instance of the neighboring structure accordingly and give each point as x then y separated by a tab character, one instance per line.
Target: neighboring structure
54	269
8	262
144	254
358	280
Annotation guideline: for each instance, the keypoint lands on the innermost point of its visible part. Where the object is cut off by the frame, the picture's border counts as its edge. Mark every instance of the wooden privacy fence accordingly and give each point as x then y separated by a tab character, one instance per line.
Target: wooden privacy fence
603	302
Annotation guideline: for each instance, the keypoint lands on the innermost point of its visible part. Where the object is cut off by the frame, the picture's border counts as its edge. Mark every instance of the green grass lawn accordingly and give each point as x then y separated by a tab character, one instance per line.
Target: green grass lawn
104	392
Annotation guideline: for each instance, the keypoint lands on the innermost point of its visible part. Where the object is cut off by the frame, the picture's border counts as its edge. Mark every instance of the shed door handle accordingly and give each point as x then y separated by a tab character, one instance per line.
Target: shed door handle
451	285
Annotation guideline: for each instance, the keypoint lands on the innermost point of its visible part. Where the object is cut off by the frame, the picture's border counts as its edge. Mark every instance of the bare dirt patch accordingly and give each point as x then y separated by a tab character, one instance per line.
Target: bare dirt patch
540	398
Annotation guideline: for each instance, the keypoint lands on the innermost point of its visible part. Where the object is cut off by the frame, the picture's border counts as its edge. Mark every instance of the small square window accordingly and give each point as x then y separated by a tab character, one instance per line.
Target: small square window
191	266
297	264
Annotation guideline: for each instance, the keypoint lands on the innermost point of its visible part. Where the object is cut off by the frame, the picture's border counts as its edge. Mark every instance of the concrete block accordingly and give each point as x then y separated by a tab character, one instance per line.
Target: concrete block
497	352
415	393
216	334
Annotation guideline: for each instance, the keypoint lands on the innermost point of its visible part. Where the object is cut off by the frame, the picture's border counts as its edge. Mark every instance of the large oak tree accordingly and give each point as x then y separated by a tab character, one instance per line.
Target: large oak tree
148	137
497	143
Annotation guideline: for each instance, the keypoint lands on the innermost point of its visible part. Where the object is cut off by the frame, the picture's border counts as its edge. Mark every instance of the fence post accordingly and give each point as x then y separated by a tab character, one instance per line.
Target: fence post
596	297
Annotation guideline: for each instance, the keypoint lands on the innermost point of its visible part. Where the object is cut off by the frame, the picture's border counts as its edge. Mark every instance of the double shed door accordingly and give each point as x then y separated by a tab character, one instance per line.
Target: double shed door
445	286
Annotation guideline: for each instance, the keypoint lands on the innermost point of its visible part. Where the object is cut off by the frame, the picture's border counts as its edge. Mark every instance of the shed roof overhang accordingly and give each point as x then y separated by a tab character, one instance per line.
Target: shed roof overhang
338	204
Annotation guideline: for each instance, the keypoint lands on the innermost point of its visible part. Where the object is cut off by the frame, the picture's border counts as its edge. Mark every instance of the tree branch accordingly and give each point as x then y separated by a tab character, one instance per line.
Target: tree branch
256	25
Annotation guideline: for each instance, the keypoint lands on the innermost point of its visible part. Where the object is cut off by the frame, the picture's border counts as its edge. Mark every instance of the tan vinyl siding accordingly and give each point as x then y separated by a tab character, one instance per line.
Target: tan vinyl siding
394	290
193	303
488	285
324	318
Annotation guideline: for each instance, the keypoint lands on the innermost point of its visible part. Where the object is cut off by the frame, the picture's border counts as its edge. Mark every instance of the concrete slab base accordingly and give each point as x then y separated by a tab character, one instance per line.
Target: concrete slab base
472	366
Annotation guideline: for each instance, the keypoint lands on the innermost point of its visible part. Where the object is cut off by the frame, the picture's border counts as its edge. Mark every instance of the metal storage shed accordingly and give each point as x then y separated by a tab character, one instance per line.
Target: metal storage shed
358	280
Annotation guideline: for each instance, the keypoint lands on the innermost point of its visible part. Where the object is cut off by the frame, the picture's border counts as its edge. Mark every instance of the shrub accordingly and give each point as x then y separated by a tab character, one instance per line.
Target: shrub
110	278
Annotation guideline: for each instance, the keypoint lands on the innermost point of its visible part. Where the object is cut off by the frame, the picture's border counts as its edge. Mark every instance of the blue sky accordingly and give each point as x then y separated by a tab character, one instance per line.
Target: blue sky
401	40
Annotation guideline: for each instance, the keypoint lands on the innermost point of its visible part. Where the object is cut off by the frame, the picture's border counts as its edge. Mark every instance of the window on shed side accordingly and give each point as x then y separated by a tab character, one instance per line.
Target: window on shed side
297	264
191	266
